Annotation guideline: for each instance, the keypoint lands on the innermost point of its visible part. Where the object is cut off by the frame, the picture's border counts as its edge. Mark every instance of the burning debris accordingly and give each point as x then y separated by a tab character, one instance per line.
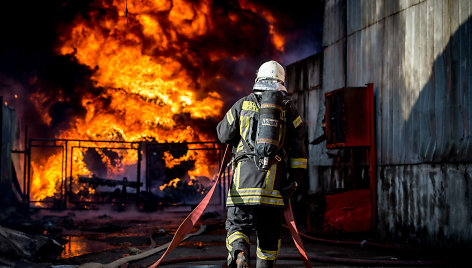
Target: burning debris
172	173
118	197
136	71
105	85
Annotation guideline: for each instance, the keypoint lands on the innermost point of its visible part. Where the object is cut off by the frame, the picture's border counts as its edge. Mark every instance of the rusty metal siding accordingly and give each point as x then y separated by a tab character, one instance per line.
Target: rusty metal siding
418	55
425	204
304	81
304	84
334	26
363	13
364	50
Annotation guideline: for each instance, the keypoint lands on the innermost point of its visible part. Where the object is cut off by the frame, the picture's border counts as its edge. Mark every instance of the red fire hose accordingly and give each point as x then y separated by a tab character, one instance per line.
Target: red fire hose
187	225
288	214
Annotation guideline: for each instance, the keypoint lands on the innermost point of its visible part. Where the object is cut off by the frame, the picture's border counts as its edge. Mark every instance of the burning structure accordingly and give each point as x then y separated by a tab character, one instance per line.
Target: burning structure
112	89
118	100
131	73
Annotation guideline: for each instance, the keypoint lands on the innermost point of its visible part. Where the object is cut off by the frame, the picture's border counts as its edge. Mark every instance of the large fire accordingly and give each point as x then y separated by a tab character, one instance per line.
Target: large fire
143	62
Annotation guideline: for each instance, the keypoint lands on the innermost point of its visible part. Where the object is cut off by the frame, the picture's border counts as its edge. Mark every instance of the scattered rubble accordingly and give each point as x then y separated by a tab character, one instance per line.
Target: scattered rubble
32	247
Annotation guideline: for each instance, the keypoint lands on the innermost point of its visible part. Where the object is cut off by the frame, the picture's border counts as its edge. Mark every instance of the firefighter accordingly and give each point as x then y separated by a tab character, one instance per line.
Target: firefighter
269	160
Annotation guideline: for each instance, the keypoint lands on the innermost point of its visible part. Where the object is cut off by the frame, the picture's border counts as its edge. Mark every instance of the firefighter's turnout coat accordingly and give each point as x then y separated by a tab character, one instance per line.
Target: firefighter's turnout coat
251	186
254	198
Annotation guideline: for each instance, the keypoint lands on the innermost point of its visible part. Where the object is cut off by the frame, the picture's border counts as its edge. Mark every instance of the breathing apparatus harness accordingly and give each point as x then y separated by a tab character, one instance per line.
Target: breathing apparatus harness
270	134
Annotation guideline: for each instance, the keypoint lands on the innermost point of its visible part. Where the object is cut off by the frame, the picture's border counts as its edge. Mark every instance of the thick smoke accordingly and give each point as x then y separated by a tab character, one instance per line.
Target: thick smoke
31	67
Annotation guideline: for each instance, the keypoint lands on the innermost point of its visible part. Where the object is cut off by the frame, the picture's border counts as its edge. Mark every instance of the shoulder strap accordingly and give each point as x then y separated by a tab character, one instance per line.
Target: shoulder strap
255	100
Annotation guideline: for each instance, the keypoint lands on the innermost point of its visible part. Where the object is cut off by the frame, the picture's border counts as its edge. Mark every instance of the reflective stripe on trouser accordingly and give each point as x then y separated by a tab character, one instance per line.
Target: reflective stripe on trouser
268	255
231	238
267	221
236	240
254	196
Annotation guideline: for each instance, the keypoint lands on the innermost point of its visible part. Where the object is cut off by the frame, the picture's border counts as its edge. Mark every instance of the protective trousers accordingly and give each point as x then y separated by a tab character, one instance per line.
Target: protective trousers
267	222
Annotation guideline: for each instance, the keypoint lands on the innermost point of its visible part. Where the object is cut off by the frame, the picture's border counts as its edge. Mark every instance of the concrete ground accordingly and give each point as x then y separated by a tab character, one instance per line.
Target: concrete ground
103	237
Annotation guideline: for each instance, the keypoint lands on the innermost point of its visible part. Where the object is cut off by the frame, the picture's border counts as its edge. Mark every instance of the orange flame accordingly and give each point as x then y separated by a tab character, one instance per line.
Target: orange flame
277	38
143	88
172	183
40	189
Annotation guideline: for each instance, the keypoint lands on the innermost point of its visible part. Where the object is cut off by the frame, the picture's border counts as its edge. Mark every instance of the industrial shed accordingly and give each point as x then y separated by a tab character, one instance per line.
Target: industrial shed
417	55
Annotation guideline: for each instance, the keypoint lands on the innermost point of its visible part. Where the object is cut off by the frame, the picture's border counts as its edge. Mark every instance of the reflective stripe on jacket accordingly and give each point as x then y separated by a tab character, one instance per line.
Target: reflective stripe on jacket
250	186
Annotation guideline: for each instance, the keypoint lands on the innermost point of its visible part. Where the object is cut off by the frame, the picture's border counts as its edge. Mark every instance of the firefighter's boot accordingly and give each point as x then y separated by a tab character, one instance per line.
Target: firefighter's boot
264	263
242	261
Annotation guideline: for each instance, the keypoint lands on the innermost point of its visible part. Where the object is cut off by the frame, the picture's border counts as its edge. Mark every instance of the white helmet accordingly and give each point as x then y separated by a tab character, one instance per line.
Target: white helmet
270	76
271	70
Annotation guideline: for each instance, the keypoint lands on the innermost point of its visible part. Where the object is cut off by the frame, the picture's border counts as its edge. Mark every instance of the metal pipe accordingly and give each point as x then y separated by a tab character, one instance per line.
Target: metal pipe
130	142
92	147
80	140
138	175
65	175
62	174
147	178
70	173
42	146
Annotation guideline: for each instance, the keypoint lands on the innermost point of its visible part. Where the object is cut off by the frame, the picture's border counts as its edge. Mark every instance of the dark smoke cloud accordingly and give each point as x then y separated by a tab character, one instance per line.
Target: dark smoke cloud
31	29
28	63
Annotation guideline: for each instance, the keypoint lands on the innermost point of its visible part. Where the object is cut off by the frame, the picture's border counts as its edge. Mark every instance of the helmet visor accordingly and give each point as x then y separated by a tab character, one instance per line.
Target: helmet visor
268	84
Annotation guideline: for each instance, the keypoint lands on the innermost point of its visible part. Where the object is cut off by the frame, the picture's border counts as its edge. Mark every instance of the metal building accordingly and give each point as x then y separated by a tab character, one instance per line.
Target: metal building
417	54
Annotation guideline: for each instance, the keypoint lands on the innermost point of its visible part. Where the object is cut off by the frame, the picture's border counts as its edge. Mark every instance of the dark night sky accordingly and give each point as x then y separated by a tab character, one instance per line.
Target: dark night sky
30	31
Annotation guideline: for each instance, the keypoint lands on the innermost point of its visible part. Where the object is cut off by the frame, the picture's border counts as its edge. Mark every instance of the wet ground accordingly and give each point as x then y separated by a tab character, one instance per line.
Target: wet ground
103	237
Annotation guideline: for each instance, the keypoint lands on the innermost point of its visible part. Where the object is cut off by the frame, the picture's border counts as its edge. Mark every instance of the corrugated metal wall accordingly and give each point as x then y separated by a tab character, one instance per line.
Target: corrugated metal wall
304	86
418	55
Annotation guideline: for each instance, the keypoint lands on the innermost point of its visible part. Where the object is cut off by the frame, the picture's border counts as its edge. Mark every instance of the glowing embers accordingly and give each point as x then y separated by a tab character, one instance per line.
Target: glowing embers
181	173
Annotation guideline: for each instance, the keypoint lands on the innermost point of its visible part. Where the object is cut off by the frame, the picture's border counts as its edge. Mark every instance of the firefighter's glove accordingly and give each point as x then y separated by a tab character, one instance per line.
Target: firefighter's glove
289	190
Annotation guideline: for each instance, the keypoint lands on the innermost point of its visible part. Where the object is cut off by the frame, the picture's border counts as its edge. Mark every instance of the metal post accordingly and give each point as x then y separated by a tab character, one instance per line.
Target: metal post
25	159
28	183
138	180
65	175
62	174
148	159
70	174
